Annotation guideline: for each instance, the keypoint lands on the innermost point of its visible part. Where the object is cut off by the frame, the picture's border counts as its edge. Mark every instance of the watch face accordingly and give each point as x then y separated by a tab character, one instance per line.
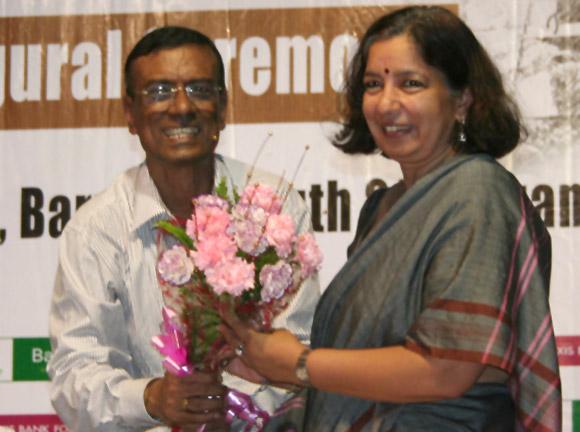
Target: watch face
302	373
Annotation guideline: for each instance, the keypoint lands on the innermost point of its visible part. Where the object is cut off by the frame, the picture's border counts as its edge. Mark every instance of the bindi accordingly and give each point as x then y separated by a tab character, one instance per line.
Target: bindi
387	71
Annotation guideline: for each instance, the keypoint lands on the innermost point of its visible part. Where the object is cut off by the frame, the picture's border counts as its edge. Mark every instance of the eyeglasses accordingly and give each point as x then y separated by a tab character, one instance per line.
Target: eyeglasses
197	92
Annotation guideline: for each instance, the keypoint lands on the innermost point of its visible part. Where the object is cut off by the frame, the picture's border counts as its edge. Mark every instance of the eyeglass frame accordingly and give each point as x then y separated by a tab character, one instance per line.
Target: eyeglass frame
174	88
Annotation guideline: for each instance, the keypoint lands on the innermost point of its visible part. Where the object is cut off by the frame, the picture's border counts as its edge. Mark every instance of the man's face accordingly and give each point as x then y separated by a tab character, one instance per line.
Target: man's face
176	109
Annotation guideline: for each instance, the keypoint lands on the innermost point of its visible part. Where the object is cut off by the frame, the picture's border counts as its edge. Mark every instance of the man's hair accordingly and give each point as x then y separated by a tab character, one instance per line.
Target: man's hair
166	38
493	123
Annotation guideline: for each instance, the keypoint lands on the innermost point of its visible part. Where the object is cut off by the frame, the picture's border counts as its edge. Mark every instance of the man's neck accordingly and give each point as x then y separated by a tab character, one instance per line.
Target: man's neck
178	184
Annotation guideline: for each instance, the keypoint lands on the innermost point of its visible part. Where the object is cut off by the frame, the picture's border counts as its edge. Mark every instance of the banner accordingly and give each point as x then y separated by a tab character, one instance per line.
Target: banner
63	137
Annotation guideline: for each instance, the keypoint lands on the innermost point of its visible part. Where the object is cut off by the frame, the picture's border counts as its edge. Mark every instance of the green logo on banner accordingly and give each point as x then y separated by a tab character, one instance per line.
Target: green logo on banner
576	416
29	359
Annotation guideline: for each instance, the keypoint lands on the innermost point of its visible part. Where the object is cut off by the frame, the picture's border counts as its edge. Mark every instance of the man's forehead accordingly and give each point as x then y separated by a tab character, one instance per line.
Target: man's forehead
189	61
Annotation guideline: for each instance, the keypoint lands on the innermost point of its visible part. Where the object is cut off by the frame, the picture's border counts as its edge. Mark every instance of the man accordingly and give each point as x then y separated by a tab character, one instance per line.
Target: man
106	305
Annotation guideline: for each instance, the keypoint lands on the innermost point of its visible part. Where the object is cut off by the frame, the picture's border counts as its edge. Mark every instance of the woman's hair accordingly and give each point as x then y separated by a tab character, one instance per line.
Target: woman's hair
493	124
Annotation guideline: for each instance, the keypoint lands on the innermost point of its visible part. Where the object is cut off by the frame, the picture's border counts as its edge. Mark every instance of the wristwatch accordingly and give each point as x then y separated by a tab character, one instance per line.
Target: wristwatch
300	369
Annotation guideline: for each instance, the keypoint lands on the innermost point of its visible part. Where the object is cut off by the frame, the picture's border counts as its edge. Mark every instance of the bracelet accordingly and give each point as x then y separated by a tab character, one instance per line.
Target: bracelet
301	370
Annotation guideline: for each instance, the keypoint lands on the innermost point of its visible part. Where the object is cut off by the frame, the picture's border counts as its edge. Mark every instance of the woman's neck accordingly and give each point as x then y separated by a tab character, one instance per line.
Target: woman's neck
412	172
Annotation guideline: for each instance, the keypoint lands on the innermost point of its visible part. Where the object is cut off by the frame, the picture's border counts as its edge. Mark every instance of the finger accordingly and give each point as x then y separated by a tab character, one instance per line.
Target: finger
215	426
232	339
199	377
226	352
239	368
232	321
201	418
203	405
207	391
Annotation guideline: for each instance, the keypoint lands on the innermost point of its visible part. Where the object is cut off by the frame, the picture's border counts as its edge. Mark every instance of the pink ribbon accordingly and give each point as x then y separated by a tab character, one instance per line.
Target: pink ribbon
171	344
240	405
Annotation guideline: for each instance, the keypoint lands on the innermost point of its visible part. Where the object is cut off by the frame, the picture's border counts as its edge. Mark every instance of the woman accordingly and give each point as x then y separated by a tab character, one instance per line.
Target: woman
439	320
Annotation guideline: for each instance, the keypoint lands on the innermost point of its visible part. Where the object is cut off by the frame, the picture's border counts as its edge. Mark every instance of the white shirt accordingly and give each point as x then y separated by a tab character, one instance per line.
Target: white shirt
107	304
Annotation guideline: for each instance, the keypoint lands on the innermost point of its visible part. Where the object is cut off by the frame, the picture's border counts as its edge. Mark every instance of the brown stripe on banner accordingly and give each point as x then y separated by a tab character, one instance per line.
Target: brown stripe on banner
285	65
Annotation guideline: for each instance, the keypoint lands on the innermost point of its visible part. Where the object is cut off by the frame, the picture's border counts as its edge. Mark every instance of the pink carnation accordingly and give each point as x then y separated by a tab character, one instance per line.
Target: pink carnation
232	276
211	201
212	250
280	233
262	196
175	266
207	222
275	280
248	229
308	254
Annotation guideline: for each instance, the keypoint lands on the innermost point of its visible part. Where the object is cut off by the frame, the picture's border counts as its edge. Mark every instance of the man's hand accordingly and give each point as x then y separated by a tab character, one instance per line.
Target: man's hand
187	402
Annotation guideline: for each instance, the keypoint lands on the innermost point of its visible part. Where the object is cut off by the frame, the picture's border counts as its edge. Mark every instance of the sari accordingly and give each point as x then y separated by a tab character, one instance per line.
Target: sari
459	268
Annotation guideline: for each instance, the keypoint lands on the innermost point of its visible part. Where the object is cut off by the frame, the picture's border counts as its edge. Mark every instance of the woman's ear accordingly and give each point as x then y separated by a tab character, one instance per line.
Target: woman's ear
464	101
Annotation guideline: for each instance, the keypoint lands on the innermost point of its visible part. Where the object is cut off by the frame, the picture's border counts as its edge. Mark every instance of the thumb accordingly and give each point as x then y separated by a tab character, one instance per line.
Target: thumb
231	320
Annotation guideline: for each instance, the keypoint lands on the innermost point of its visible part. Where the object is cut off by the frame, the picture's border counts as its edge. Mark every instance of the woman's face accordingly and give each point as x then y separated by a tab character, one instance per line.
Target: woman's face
409	109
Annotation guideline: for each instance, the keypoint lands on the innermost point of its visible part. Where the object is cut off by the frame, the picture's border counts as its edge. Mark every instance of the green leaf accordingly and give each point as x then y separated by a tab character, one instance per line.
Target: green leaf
176	231
236	195
269	256
221	189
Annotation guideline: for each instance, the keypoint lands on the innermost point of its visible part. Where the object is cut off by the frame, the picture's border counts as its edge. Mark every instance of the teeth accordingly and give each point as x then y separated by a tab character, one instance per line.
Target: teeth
391	129
186	131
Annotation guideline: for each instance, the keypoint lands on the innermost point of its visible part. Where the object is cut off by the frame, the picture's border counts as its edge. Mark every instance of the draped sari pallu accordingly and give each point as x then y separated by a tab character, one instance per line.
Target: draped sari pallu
459	268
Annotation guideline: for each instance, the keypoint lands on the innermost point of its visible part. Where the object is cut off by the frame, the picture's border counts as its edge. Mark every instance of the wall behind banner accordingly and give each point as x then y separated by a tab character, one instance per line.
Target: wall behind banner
63	137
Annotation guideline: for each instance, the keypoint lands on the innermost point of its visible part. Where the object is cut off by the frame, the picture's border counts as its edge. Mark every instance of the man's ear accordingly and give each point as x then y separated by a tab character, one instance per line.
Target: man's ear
464	101
222	110
128	111
222	119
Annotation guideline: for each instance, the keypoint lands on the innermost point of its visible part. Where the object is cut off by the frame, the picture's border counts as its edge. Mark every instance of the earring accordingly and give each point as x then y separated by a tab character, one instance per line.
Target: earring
215	138
461	138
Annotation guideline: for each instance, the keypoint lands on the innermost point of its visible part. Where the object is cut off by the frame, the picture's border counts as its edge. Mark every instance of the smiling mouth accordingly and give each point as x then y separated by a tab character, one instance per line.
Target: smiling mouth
182	133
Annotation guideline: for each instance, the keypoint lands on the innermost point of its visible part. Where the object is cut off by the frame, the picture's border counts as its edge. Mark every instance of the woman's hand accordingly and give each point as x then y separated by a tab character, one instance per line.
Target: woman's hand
261	355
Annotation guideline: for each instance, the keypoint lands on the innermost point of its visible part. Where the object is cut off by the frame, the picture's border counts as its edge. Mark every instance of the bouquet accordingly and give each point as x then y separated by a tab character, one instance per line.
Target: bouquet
235	251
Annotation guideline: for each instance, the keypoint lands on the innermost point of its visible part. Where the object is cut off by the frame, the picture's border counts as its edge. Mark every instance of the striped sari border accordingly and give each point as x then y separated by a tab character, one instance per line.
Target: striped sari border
505	300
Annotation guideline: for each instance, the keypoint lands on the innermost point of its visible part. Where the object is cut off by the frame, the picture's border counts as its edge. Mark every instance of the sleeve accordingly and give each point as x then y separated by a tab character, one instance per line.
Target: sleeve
91	367
297	318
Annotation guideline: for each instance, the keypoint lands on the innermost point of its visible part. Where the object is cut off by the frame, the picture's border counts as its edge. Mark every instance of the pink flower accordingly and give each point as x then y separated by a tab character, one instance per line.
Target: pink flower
262	196
308	254
211	201
207	222
232	276
212	250
175	266
280	233
275	280
248	229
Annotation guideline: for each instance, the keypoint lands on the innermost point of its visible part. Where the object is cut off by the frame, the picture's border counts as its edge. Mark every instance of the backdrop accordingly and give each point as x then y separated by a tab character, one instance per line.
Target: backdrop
63	137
